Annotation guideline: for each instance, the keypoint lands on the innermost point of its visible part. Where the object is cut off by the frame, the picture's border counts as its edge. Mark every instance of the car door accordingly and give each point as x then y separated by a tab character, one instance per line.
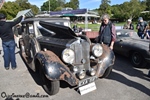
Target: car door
31	44
123	43
26	37
118	45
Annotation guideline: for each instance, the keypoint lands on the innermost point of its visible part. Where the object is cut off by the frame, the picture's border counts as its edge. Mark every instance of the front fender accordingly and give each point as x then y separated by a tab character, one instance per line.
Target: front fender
54	69
106	60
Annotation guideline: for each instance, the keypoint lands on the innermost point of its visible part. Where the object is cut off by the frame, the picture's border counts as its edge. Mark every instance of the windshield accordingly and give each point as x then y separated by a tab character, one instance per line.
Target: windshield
127	33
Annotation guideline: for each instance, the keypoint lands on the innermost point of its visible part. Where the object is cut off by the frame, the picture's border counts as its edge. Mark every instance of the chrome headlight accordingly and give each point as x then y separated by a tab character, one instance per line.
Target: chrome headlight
97	50
68	56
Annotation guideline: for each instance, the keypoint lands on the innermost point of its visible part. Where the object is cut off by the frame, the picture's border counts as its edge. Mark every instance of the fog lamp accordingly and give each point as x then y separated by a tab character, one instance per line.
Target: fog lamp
92	72
81	74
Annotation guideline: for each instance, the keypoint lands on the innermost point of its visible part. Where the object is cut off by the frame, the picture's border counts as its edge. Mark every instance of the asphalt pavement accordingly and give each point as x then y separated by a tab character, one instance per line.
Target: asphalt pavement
124	83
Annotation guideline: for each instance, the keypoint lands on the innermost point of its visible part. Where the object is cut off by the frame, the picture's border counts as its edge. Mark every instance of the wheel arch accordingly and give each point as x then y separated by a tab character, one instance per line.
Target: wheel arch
53	68
142	63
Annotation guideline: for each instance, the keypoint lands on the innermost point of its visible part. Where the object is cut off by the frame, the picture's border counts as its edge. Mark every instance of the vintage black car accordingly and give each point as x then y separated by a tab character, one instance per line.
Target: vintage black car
129	44
57	53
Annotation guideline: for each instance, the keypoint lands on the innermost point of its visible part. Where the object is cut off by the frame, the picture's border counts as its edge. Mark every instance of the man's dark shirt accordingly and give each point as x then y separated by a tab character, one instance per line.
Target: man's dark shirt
107	31
6	32
142	26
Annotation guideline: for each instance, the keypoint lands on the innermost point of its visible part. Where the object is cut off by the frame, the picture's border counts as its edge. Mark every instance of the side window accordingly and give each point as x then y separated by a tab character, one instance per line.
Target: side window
30	28
24	28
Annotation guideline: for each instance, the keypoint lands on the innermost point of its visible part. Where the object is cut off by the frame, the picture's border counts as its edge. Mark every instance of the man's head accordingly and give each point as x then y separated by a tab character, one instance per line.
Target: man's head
105	18
140	19
2	16
129	21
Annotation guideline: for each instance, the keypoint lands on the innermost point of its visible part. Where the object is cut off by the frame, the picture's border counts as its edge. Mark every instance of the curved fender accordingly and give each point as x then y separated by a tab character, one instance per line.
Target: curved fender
106	60
54	69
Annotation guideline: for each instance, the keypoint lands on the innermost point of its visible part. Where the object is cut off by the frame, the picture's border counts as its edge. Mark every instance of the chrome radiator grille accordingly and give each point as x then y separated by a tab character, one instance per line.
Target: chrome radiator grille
82	54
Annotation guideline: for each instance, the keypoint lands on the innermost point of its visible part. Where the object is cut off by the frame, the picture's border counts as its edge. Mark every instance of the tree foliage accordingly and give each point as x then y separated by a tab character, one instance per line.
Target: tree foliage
74	4
131	9
54	5
147	4
105	7
12	8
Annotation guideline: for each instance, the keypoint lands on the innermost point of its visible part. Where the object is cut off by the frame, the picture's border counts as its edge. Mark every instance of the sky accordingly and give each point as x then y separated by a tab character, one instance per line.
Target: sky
89	4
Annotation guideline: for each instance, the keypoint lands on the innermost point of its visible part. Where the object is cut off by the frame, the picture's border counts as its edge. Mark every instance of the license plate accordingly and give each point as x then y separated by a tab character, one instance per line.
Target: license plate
87	88
87	80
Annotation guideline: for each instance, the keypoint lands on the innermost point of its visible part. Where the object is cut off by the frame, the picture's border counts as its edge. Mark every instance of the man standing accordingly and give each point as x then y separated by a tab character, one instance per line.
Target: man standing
141	27
107	32
128	25
8	42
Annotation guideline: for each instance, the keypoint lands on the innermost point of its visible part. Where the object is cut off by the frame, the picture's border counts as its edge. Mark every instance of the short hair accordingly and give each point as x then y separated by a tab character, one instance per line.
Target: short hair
2	16
105	16
140	18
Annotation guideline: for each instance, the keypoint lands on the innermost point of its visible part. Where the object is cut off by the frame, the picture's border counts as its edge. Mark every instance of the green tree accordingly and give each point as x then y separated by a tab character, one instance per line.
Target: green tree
54	5
74	4
35	9
10	9
117	12
68	4
24	4
127	10
61	3
136	7
104	7
147	4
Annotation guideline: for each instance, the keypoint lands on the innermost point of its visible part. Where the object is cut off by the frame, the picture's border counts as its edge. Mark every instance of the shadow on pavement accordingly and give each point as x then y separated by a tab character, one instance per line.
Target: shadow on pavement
126	68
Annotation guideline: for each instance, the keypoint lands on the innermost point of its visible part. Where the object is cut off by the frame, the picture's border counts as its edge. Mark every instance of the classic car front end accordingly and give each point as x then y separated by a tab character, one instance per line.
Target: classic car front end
65	56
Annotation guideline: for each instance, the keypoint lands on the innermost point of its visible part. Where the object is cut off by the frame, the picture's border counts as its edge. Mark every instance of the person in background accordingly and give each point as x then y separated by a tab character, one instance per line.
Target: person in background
129	25
141	27
107	32
8	42
75	28
148	31
80	29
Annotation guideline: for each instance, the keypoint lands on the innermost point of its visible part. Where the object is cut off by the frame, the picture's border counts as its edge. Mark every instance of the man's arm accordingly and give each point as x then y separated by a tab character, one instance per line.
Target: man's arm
16	21
113	35
138	26
146	25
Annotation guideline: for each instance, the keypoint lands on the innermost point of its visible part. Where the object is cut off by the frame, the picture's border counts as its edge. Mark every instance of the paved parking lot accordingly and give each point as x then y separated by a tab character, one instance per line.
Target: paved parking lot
124	83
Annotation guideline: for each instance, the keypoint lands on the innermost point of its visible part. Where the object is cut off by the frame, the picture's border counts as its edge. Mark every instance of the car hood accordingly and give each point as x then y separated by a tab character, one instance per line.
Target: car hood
137	41
60	30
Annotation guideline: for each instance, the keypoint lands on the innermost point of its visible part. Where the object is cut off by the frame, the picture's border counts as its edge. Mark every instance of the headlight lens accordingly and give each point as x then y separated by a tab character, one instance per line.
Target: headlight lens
68	56
97	50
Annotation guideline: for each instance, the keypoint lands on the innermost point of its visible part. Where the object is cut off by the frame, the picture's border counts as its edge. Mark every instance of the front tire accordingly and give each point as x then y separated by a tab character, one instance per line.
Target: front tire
137	60
51	87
